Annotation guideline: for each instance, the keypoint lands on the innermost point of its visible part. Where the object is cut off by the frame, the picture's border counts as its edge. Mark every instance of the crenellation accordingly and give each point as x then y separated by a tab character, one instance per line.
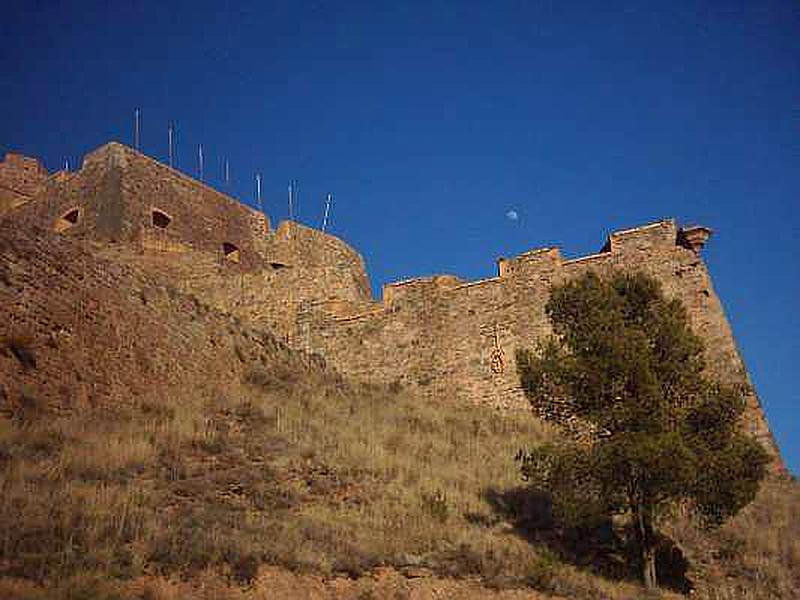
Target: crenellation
438	334
662	234
534	264
21	178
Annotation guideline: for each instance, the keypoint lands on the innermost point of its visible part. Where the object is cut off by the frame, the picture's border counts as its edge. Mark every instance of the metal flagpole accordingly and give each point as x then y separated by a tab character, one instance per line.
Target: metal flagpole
170	134
290	201
200	159
136	133
327	210
258	192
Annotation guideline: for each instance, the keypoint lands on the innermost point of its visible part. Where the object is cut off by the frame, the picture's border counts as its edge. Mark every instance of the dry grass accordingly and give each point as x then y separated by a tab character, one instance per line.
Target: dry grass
314	476
756	555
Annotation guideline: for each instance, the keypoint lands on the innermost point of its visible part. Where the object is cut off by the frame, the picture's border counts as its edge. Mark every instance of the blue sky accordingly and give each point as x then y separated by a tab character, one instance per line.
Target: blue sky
430	121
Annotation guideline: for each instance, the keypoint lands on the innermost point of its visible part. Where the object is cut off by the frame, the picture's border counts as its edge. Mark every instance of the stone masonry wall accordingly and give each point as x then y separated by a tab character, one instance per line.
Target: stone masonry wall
100	332
21	178
301	266
165	210
123	196
120	195
87	191
438	334
444	336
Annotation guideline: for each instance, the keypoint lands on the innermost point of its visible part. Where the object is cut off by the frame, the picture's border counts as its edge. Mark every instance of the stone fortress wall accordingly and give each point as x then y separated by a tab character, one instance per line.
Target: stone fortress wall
21	178
124	199
438	334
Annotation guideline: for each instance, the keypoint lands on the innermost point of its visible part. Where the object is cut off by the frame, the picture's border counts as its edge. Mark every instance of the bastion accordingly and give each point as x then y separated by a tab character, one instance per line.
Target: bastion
440	335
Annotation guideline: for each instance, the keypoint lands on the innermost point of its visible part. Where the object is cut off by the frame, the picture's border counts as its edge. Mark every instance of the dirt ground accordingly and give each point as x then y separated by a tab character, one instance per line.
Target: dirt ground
275	583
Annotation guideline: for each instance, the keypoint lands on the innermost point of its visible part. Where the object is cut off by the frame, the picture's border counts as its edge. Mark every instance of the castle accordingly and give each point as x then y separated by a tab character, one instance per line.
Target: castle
439	334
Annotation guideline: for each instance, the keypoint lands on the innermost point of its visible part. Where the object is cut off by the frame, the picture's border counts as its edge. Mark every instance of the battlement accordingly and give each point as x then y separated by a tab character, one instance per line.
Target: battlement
116	154
121	196
21	178
548	263
444	335
24	163
439	334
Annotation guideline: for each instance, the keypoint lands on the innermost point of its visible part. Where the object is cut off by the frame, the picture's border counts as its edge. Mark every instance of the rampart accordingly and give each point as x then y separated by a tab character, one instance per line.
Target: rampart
21	178
441	335
125	199
449	337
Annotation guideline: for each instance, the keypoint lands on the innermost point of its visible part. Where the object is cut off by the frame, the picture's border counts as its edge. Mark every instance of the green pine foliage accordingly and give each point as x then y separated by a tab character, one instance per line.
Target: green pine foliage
625	377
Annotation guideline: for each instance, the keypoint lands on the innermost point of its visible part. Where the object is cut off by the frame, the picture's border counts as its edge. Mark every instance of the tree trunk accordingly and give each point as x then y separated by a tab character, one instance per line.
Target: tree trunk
647	547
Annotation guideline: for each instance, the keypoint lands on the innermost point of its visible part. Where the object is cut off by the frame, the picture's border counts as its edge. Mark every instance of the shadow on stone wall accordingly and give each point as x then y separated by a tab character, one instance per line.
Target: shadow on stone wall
603	549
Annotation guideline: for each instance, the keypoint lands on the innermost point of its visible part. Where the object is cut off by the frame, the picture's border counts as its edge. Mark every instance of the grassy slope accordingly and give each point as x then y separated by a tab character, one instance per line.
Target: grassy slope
239	456
320	477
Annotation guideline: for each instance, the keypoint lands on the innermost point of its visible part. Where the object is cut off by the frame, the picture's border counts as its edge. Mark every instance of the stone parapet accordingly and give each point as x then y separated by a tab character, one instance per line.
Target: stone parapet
438	334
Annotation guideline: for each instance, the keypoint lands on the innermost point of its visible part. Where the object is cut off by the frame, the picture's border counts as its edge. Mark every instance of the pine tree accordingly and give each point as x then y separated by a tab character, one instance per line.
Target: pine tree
646	426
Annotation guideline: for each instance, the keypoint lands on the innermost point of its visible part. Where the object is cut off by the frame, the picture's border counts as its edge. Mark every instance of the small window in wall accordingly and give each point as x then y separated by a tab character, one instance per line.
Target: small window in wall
160	219
67	220
230	252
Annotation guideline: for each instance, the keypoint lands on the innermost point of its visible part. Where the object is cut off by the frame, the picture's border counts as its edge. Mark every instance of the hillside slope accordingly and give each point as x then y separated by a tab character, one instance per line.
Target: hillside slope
153	447
101	332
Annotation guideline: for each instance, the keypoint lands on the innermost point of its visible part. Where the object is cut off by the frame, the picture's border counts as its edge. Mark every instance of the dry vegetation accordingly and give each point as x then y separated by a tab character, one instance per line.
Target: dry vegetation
315	476
756	555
